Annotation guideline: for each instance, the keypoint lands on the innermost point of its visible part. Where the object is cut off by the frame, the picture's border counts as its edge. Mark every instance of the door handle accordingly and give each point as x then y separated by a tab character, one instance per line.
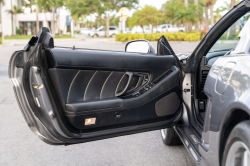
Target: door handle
130	77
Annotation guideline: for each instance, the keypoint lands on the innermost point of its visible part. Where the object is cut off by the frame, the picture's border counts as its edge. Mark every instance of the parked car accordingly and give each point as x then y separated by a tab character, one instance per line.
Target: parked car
138	29
169	28
86	31
100	32
71	96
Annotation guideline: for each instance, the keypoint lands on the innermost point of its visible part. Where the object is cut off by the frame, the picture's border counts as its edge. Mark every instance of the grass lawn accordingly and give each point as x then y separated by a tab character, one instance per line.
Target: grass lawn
29	36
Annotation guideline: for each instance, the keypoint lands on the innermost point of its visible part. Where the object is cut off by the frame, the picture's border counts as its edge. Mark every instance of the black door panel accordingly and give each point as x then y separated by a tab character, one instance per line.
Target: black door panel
100	93
124	93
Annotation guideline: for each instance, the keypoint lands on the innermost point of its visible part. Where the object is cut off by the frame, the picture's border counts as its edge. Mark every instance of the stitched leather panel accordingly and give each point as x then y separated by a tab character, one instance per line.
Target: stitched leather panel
94	87
84	85
62	80
79	84
110	85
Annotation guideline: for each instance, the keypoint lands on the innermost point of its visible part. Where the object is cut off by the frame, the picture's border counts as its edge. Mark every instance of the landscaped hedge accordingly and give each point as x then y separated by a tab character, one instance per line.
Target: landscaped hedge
175	36
1	42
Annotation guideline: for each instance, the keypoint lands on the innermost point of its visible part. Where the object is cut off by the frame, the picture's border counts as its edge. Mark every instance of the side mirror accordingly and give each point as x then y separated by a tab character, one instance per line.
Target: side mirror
141	46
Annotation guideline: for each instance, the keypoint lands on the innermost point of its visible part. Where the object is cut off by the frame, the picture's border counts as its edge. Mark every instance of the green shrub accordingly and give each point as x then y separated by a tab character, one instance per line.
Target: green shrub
175	36
19	31
1	41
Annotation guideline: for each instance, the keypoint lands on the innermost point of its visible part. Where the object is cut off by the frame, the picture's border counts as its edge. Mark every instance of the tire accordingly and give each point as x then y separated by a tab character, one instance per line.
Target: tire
95	36
237	146
113	35
170	137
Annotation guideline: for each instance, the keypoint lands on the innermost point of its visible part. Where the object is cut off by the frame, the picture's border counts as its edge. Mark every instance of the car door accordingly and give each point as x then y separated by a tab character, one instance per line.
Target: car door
71	95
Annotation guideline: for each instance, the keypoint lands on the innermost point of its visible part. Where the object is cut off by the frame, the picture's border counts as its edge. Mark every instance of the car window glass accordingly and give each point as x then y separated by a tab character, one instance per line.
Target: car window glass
230	39
163	27
111	28
103	29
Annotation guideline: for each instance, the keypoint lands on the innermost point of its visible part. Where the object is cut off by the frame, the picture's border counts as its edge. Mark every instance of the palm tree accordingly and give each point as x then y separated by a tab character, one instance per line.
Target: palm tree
150	15
232	4
136	20
58	5
46	6
217	12
209	4
233	27
212	11
170	8
35	3
14	12
1	4
186	3
37	22
187	16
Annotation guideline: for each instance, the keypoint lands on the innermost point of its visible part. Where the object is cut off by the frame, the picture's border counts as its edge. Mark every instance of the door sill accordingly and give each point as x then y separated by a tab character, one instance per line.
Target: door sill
191	140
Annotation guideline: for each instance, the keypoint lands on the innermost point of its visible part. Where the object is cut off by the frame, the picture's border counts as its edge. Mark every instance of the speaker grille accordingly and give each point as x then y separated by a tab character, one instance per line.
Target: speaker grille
168	105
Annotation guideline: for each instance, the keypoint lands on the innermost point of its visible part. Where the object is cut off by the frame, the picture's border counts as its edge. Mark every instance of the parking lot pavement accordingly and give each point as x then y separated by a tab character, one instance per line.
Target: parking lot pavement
19	146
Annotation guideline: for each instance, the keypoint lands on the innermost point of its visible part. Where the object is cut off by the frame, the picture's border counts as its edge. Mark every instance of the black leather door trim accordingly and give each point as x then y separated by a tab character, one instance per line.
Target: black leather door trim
108	61
94	105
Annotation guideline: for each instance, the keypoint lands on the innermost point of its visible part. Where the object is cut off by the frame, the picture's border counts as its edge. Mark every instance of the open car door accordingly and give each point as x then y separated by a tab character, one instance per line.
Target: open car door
70	95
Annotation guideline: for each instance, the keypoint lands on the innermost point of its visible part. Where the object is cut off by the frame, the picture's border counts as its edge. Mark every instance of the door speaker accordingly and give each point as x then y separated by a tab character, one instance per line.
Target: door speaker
167	105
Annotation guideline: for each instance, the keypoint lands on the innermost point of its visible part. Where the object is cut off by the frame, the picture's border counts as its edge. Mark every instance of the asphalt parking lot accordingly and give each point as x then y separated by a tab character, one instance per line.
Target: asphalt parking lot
19	146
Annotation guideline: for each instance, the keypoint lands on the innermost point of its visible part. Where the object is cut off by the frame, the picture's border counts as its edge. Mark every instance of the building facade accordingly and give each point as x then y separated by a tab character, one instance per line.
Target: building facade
26	21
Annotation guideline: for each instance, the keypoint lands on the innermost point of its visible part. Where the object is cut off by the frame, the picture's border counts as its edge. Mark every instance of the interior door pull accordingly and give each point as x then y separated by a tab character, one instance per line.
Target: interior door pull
130	76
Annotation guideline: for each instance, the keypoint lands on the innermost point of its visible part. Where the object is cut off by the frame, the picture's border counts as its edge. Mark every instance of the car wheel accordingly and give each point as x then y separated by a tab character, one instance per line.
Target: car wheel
237	146
169	137
95	35
113	35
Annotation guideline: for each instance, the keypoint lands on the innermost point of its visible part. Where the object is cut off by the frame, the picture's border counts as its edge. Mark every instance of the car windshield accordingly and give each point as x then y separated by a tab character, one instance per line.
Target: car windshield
99	29
230	38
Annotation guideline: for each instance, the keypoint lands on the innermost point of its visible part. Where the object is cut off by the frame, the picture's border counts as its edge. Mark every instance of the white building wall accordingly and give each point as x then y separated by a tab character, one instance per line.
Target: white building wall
6	18
7	22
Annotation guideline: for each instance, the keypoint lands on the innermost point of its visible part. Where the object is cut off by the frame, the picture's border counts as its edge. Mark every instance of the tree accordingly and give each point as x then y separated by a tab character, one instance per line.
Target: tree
187	16
206	6
136	20
233	27
186	3
178	13
150	15
209	4
115	21
212	11
14	12
217	13
45	5
170	8
58	4
105	9
37	22
232	4
1	4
